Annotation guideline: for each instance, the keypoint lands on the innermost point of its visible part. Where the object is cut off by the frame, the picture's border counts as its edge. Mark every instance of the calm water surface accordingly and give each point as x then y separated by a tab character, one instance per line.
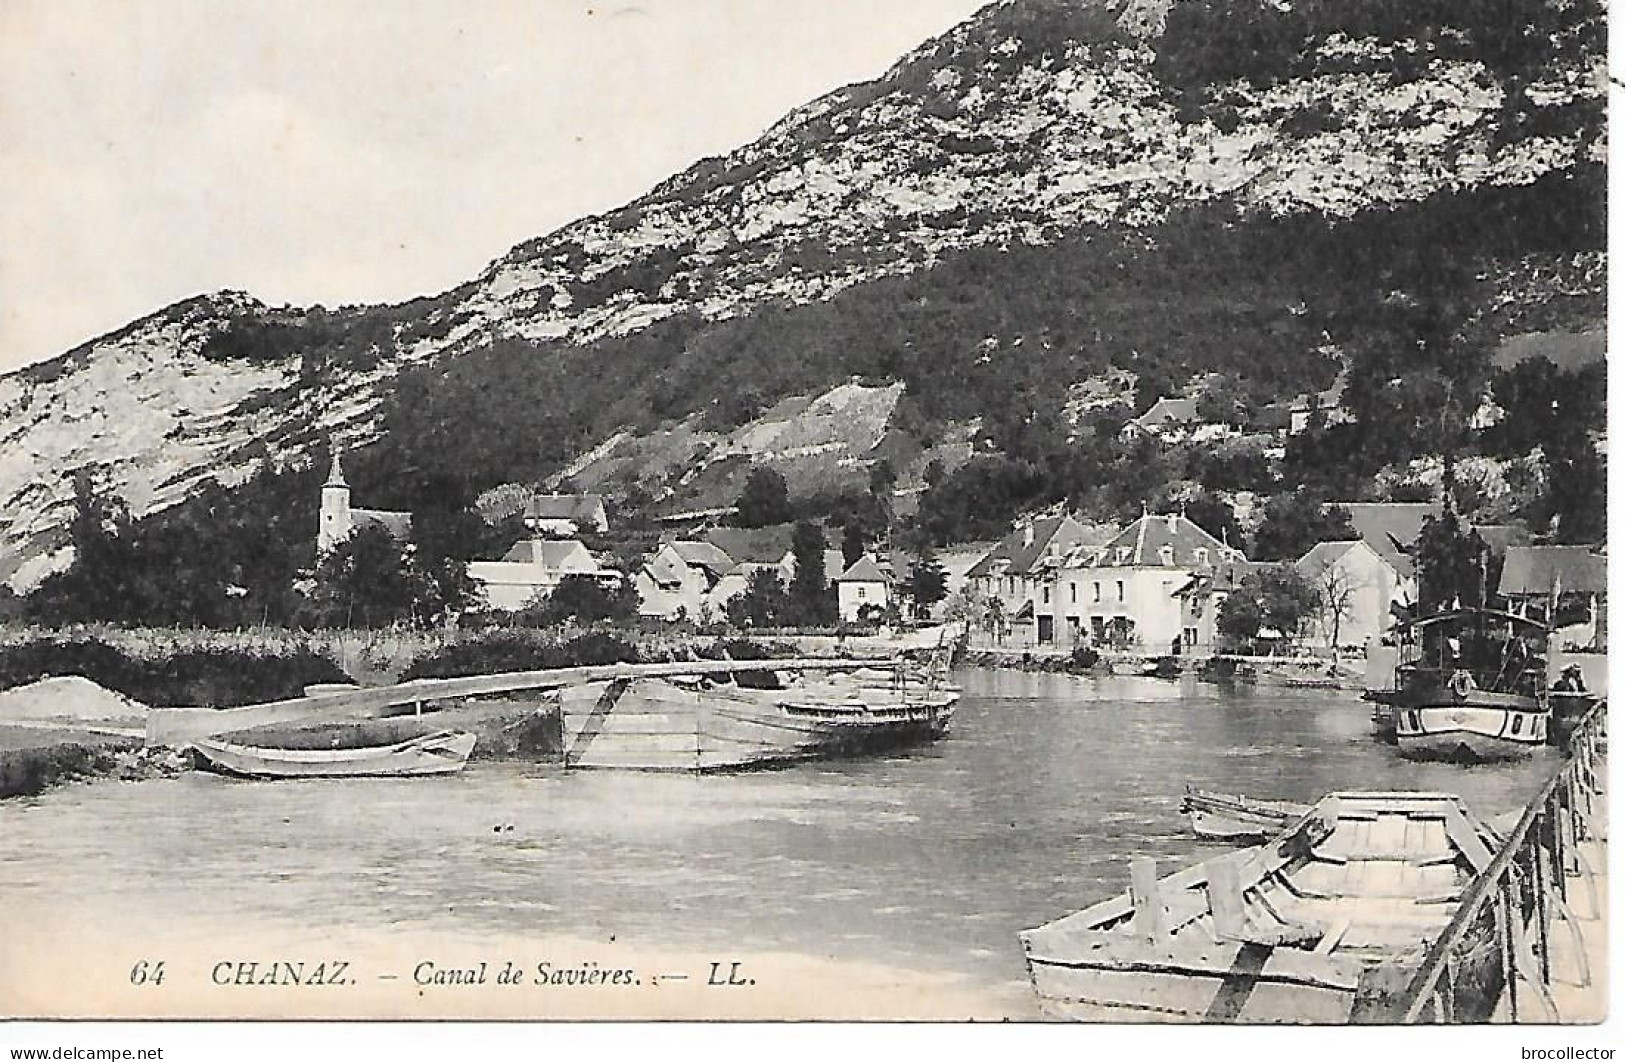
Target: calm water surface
931	860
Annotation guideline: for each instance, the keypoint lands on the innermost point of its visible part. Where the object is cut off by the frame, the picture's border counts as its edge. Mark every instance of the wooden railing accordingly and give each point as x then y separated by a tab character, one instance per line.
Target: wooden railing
1524	894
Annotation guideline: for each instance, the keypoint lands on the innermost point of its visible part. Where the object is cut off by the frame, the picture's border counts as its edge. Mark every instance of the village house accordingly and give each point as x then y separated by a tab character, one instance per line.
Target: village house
863	590
680	580
1122	593
534	568
1366	581
1168	418
566	515
1358	587
530	570
696	578
1014	578
1200	600
1325	405
339	520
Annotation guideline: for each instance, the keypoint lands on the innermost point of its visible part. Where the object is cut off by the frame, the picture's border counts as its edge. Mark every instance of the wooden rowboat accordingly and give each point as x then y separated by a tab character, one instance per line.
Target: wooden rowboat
1321	925
658	724
1227	817
441	753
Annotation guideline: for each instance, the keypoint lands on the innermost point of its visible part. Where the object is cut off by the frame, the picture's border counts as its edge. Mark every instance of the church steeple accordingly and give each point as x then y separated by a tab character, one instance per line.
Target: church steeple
336	520
335	475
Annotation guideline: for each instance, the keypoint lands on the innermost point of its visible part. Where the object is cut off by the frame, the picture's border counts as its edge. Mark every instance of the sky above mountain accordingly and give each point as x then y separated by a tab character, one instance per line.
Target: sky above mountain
370	151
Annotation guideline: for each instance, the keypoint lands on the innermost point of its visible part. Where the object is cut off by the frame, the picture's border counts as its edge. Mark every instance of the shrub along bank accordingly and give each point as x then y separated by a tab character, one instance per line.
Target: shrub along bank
215	677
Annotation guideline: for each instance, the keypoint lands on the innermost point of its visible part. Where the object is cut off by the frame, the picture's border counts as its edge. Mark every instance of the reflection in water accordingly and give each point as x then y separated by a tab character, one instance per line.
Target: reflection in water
932	859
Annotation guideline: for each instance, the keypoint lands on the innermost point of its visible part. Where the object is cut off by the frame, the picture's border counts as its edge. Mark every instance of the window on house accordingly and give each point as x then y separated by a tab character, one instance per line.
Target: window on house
1122	554
1166	555
1201	554
860	593
1120	590
1046	595
1074	590
1097	591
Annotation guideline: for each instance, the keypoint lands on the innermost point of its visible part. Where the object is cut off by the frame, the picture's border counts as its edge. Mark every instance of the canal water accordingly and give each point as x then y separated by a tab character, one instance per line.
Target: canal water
930	860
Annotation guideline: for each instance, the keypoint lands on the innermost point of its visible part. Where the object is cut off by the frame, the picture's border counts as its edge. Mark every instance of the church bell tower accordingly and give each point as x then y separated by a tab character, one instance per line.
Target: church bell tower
335	520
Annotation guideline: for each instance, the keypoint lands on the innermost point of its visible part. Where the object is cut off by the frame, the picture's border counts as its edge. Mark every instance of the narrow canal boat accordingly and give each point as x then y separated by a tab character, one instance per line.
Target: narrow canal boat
1469	685
1319	926
432	754
1229	817
700	724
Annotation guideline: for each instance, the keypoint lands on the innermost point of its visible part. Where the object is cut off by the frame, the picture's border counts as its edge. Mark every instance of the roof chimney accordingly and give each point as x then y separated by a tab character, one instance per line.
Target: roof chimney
1173	522
1027	533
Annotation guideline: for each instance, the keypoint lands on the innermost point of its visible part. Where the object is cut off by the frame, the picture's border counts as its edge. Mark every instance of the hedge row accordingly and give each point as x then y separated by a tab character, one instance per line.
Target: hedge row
216	677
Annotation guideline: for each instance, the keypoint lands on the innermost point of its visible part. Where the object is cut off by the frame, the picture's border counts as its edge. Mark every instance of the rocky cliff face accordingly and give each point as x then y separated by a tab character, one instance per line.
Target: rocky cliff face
1031	121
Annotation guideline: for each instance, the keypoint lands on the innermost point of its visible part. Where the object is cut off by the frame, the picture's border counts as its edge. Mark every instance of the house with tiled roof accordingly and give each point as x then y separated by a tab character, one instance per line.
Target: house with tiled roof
566	515
1200	600
1122	593
1015	577
1359	589
1571	579
1167	418
1391	528
864	590
1327	405
695	578
534	568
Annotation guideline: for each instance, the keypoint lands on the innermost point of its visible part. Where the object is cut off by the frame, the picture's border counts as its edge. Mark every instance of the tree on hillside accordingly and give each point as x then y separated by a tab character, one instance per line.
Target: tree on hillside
1558	413
927	583
763	603
96	585
1293	522
812	603
1224	400
1454	565
369	580
1214	515
853	543
764	501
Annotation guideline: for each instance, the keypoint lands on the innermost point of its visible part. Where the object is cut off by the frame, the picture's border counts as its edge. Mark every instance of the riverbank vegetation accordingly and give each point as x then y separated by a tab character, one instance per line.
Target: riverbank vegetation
214	676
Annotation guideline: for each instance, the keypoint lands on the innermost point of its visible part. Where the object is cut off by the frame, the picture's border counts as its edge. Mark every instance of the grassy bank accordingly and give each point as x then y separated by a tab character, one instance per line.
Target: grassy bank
31	762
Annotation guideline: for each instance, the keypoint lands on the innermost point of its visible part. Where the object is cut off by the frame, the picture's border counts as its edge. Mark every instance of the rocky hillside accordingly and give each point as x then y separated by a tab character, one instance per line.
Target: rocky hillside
1036	124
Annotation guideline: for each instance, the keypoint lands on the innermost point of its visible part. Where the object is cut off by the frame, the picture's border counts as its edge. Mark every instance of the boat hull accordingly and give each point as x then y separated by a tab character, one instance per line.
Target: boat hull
655	725
435	754
1222	817
1319	926
1470	732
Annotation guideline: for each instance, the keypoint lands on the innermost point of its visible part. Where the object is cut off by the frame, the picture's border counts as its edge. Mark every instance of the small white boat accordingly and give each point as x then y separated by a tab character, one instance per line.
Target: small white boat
1229	817
441	753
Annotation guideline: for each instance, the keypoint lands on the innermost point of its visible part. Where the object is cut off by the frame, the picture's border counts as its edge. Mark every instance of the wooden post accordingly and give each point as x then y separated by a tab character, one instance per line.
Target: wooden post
1542	940
1150	916
1447	990
1224	900
1503	940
